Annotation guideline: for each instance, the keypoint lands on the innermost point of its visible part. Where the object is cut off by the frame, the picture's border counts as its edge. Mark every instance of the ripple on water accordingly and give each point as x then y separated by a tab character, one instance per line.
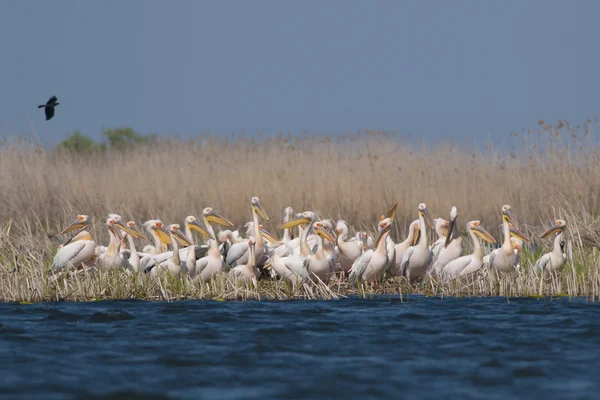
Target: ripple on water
110	316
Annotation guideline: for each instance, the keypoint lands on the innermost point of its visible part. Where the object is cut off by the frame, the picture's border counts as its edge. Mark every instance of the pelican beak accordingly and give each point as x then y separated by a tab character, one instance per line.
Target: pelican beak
449	234
212	216
508	217
416	236
483	234
181	238
130	231
554	229
163	235
75	225
382	233
514	232
295	222
324	234
114	228
427	217
392	212
195	225
259	210
268	236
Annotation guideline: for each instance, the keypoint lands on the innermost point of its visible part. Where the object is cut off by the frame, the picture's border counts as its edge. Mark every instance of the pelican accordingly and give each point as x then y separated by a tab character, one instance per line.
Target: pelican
452	248
112	257
517	245
211	264
178	238
151	226
394	269
468	264
371	266
239	252
79	250
329	247
349	250
247	272
287	233
306	264
191	223
441	229
417	259
133	262
505	259
554	261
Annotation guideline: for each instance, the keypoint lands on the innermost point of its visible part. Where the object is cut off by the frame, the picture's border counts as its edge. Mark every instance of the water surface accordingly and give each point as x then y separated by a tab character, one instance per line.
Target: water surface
353	348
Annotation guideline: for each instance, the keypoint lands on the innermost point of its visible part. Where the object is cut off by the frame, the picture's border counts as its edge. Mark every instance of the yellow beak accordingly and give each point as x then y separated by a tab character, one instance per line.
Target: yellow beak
392	212
553	229
295	222
75	225
324	234
163	235
514	232
382	233
259	210
218	219
483	234
195	225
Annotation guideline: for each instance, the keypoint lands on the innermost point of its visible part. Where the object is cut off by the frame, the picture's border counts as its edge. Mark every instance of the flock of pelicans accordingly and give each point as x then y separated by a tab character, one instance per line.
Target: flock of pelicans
319	251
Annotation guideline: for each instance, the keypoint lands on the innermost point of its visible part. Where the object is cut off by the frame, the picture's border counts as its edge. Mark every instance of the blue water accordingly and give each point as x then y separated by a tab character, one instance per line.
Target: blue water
353	348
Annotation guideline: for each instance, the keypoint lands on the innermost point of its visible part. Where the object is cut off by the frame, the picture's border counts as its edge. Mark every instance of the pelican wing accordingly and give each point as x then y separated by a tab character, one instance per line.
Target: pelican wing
456	266
406	258
235	253
74	252
298	265
201	264
542	262
436	248
360	266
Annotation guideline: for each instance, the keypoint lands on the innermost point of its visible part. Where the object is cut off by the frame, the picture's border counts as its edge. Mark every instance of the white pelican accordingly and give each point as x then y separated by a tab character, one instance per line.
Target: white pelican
133	261
554	261
191	223
178	238
441	227
151	226
371	265
287	233
211	264
452	248
247	272
417	259
349	250
329	247
517	245
307	264
468	264
78	251
112	258
239	252
395	267
505	259
209	215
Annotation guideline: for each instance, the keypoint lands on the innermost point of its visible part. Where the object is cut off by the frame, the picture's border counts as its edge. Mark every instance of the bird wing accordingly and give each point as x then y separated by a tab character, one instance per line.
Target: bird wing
49	111
52	100
436	248
406	258
236	251
360	266
455	267
542	262
298	265
201	264
491	259
200	251
72	253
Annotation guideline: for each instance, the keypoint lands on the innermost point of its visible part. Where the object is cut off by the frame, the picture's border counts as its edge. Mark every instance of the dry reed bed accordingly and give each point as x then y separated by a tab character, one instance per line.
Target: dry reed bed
552	171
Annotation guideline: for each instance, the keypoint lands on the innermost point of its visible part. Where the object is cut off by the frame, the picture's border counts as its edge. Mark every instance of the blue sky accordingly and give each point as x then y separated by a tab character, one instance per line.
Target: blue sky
459	69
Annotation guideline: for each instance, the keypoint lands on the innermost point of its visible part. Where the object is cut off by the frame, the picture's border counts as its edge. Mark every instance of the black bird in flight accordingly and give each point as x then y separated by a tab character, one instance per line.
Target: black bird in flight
49	107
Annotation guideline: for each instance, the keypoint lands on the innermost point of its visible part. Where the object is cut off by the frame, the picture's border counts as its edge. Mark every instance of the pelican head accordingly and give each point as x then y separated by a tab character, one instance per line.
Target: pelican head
514	232
425	214
211	216
192	223
384	227
441	227
175	231
156	227
257	208
324	233
115	216
507	215
113	226
517	244
476	229
133	230
287	213
559	227
81	222
222	236
341	227
307	217
363	240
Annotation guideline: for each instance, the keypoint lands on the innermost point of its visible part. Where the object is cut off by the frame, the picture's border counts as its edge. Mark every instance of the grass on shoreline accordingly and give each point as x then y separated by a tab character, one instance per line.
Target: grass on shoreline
553	172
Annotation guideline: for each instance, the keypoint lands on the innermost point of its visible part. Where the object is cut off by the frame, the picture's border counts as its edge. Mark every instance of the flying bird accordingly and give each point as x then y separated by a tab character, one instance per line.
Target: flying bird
49	107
